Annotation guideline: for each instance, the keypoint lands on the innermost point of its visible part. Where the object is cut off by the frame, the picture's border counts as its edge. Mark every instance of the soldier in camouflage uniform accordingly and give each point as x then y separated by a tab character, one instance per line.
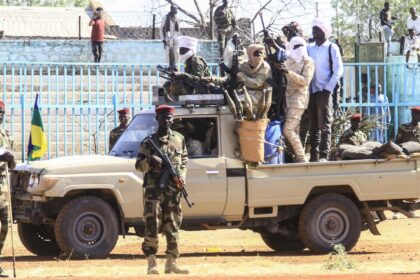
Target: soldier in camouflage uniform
410	131
225	23
118	131
299	69
353	135
162	209
195	67
6	143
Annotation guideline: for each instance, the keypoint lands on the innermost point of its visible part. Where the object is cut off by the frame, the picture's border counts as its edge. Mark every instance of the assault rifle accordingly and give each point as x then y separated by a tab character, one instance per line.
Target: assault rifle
233	99
170	172
279	79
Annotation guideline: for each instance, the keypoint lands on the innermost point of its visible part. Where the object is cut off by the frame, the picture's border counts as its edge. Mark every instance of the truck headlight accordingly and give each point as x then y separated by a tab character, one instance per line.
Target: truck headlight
41	183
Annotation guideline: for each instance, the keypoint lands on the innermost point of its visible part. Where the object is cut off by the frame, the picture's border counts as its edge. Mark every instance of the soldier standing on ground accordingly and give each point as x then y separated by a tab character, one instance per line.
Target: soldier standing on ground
299	69
353	135
410	131
98	34
162	208
119	130
225	24
169	32
6	144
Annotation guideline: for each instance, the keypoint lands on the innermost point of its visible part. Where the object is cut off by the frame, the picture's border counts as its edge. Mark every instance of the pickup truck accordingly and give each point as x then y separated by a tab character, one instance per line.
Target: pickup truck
79	205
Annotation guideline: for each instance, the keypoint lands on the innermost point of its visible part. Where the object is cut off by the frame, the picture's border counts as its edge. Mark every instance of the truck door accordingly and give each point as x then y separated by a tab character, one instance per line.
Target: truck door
206	175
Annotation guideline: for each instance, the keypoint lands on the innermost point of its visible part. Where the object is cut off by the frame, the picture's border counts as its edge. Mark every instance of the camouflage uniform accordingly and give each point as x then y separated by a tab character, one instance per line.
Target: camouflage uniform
162	209
114	135
256	91
7	144
195	66
351	137
299	77
225	22
408	132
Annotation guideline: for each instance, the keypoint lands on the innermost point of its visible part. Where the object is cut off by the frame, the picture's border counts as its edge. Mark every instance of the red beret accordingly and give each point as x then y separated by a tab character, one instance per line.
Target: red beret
124	111
2	106
356	117
165	108
415	109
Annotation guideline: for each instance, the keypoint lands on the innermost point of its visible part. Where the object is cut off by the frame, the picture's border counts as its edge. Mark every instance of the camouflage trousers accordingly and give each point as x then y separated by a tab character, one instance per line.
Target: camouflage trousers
291	131
223	36
162	210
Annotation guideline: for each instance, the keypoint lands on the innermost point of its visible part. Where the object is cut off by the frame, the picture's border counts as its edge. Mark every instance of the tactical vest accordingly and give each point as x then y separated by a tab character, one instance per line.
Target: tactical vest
222	18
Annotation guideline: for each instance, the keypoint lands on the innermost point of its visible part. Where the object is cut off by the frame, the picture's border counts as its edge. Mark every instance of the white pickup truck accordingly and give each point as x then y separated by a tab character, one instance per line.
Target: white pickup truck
79	205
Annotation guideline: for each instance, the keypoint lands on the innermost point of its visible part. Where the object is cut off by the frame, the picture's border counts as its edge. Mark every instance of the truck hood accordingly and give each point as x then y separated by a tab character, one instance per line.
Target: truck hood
79	164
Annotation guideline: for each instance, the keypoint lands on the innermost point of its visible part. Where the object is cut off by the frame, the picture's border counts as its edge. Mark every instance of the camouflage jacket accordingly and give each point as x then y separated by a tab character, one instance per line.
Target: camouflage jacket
196	66
351	137
114	135
408	132
224	19
298	79
254	78
174	145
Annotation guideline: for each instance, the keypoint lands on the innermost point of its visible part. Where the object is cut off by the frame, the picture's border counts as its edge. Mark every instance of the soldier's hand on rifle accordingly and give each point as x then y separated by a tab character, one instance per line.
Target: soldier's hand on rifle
282	67
155	162
179	182
7	157
206	80
165	44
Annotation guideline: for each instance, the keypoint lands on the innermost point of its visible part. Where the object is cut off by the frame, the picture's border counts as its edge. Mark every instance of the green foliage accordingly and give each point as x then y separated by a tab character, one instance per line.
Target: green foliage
338	259
366	14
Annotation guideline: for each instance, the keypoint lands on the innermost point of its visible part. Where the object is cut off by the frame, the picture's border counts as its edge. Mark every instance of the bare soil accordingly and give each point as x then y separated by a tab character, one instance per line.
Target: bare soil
235	254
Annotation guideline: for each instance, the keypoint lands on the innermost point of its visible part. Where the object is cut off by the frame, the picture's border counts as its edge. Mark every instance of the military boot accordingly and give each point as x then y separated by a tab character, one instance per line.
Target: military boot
152	265
172	267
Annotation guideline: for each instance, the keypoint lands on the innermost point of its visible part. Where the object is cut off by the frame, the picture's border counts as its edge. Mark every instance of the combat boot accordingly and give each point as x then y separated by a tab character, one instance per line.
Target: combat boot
172	267
152	265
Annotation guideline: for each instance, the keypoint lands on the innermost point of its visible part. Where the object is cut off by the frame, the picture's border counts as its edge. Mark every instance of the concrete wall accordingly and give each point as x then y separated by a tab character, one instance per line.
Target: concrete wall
121	51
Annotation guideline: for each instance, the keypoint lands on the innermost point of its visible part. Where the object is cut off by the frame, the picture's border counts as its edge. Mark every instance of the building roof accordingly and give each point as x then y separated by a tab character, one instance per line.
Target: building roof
44	22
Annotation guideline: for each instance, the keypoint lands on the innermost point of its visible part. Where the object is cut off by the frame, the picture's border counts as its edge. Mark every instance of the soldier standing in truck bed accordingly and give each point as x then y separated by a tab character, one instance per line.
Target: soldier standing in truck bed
162	207
225	23
6	157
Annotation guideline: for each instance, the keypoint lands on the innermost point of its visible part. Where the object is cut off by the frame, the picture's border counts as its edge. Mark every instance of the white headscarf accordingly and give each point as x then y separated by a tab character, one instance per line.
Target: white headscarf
189	43
299	53
324	26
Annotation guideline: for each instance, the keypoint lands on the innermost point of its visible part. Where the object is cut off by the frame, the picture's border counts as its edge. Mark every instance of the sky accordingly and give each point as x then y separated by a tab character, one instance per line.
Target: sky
140	12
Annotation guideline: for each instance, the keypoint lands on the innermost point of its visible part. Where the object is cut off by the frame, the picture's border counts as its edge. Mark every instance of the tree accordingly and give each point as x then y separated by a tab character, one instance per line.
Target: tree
358	20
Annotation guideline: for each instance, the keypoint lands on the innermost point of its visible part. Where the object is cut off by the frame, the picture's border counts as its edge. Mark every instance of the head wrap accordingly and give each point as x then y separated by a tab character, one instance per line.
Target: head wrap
299	53
165	108
255	61
188	42
324	26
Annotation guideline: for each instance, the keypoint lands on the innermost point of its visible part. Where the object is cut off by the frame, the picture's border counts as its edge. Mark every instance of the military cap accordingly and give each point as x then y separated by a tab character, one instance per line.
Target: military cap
2	106
356	117
124	111
415	109
164	108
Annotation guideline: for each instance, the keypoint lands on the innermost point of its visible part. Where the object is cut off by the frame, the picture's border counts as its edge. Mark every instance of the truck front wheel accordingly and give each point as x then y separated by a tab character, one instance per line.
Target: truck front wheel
281	243
38	239
87	227
330	219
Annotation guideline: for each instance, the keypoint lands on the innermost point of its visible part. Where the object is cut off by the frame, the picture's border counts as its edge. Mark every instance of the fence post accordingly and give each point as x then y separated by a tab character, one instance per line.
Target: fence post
80	27
154	27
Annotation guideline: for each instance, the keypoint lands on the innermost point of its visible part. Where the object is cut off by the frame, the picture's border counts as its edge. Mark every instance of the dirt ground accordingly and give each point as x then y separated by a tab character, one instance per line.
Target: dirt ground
235	254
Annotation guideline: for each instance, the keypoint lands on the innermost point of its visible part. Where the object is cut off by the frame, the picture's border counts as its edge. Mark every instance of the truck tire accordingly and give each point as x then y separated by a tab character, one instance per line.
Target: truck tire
86	227
281	243
38	240
330	219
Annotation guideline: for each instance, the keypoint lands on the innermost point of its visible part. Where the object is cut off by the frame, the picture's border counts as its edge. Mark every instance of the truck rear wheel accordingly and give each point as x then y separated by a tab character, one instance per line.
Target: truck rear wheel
38	239
281	243
330	219
86	227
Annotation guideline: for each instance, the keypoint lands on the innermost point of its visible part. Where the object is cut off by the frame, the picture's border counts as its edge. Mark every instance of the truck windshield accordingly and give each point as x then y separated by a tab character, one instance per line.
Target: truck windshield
128	144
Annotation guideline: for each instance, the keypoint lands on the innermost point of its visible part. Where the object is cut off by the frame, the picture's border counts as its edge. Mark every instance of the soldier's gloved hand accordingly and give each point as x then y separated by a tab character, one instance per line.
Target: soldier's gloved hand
155	162
6	157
